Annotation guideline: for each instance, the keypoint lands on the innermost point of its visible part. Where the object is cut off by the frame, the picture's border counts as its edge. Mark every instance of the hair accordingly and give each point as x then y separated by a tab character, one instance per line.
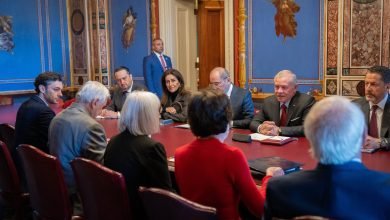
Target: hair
383	71
122	68
179	77
209	113
287	73
45	79
140	113
223	73
336	129
156	39
92	90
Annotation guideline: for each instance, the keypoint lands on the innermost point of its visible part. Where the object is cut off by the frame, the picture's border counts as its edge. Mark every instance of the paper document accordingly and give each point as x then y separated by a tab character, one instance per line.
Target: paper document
187	126
261	137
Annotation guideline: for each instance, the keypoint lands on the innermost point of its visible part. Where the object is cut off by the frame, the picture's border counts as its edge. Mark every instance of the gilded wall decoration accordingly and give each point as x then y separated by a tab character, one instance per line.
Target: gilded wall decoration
366	34
285	23
352	88
6	34
128	27
332	36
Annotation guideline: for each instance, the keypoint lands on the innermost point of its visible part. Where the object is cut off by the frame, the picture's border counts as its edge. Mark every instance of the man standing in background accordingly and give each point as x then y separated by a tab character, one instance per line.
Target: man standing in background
154	66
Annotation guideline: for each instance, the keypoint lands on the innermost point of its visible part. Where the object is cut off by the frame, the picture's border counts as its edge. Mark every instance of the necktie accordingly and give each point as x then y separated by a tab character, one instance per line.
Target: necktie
163	63
373	128
283	116
124	95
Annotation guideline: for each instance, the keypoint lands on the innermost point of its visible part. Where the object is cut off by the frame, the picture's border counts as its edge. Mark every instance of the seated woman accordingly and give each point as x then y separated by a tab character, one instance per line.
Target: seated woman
210	172
175	98
141	160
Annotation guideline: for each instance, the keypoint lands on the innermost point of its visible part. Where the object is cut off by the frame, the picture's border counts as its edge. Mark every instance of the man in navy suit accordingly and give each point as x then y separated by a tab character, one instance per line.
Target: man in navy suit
34	115
154	66
240	99
284	112
340	187
377	84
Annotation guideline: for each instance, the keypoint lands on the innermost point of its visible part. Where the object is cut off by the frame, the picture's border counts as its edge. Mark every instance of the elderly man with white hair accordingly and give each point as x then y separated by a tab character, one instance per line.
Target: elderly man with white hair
340	187
284	112
75	133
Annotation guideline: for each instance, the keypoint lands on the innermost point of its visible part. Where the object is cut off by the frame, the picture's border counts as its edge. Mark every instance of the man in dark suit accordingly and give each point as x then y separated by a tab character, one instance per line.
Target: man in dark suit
154	66
34	115
376	107
284	112
340	187
240	99
125	85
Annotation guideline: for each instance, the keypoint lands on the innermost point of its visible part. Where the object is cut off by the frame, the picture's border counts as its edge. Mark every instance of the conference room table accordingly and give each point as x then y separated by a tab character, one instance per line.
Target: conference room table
297	151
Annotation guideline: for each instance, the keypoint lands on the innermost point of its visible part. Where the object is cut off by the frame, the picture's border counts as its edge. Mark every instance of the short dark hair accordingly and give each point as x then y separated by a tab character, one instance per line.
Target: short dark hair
45	79
383	71
209	113
122	68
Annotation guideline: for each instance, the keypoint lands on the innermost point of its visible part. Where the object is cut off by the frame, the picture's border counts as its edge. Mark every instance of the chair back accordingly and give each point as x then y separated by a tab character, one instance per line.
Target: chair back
7	135
162	204
45	181
103	191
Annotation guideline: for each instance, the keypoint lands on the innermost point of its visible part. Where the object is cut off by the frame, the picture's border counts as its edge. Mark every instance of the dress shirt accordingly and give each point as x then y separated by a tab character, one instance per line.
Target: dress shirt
379	112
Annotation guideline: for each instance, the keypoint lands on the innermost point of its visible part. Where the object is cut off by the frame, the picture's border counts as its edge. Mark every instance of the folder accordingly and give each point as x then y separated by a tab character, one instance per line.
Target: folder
261	164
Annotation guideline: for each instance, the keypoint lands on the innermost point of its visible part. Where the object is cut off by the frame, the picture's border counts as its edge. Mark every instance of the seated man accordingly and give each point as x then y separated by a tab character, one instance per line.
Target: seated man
376	107
75	133
340	187
240	99
125	83
284	112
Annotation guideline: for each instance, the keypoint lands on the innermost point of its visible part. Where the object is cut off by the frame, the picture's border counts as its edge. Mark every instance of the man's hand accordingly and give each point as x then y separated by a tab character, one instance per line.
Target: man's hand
274	171
109	114
372	143
269	128
171	110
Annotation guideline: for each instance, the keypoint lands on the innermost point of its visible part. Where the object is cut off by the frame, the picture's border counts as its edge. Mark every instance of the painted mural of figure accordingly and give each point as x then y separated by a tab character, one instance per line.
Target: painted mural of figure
6	35
285	22
129	21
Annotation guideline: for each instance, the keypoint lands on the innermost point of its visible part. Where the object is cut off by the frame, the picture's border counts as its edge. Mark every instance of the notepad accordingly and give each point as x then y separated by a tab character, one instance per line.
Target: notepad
261	164
186	126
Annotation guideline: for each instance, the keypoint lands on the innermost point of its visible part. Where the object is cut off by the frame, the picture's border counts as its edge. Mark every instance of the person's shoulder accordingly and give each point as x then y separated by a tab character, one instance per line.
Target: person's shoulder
270	99
303	96
360	101
139	87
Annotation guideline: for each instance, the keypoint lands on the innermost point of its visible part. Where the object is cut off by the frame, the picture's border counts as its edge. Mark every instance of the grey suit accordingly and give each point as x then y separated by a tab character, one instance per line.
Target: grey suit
119	97
385	128
74	133
298	108
242	107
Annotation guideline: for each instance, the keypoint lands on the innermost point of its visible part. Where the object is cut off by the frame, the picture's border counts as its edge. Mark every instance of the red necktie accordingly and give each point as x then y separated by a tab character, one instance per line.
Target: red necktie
373	128
163	63
283	116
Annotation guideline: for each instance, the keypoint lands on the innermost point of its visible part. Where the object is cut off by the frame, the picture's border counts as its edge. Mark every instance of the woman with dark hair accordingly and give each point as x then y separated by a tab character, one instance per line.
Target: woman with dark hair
175	98
210	172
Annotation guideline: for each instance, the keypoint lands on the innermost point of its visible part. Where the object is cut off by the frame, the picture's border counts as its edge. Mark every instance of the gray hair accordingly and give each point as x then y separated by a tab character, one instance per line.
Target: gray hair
140	113
92	90
336	129
223	73
287	73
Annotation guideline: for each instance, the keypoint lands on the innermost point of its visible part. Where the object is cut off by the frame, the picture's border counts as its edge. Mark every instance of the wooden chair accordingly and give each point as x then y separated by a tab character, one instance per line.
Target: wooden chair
103	191
7	135
162	204
11	193
45	181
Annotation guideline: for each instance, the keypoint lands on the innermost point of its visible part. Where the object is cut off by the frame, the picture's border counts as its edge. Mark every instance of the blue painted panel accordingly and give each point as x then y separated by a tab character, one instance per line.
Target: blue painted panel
133	56
270	54
38	45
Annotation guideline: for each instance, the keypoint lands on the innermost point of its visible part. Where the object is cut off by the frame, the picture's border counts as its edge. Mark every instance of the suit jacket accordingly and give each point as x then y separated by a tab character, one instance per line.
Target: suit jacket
142	161
32	123
118	97
385	128
74	133
153	72
298	108
214	174
180	104
348	191
242	106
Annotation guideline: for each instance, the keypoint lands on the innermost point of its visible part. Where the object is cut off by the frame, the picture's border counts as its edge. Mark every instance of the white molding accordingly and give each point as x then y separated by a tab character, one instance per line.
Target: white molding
229	37
165	24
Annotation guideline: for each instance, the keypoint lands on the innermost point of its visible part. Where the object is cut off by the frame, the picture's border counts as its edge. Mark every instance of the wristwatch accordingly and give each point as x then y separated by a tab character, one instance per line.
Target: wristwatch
384	143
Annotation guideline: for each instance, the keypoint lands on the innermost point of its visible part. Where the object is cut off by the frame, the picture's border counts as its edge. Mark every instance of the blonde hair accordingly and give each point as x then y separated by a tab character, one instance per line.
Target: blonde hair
140	113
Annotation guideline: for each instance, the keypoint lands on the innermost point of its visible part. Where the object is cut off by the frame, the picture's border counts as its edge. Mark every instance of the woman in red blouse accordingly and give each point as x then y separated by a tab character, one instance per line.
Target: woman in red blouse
210	172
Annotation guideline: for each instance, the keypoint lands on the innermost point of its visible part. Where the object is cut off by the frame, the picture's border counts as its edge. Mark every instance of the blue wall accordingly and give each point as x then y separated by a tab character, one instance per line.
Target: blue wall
268	54
41	42
131	57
